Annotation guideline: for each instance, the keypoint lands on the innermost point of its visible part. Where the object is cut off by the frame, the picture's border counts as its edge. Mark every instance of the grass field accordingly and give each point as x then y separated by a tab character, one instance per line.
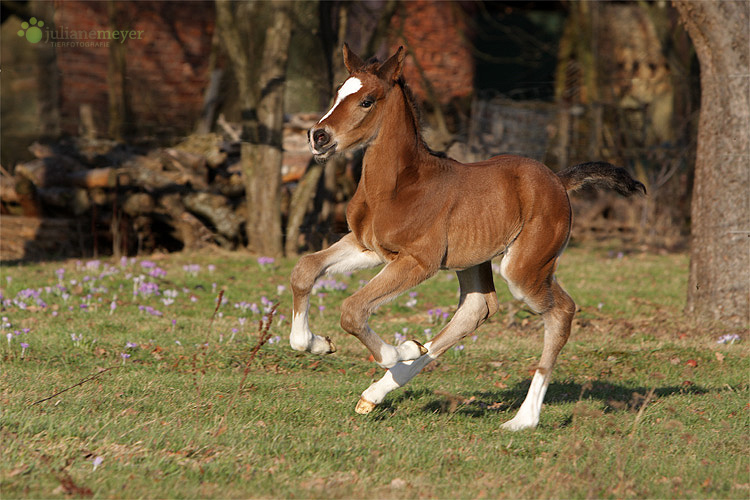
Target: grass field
156	392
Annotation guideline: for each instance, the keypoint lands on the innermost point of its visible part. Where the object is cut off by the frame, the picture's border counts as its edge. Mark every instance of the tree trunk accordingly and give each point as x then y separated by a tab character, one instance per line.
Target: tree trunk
116	67
261	92
303	194
261	157
719	284
577	88
49	75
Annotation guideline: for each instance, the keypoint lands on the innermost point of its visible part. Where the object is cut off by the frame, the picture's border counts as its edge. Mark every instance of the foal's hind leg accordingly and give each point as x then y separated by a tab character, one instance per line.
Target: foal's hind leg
539	289
477	303
345	255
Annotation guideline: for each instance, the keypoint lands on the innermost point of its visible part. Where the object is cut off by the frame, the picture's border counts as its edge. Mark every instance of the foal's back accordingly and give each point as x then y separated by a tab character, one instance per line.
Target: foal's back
494	200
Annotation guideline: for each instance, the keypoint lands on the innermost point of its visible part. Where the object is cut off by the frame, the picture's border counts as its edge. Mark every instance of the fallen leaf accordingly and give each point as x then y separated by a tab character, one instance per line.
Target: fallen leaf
18	470
691	362
69	487
398	484
128	412
719	357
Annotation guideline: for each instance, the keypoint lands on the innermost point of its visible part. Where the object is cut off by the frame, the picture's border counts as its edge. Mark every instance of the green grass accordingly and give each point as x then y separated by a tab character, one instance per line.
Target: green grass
644	403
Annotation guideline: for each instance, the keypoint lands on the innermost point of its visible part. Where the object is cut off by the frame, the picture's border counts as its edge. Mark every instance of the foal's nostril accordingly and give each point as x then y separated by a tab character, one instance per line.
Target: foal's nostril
321	138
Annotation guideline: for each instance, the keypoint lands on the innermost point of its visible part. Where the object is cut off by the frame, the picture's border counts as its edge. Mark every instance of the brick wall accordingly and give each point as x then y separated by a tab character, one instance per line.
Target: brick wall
166	69
434	32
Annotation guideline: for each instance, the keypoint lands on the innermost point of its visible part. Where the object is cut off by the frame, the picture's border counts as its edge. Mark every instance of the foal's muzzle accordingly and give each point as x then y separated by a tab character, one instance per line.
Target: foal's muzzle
321	138
320	144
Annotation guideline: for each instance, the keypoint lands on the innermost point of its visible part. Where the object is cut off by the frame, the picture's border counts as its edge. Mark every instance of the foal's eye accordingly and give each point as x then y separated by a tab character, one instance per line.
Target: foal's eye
367	103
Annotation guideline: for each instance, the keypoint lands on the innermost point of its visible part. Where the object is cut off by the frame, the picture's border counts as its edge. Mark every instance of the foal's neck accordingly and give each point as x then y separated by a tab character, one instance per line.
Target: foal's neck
398	146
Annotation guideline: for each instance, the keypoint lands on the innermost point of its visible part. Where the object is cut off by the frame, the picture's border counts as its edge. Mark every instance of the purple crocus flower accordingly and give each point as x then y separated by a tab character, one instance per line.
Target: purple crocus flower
193	269
729	338
157	272
263	261
148	288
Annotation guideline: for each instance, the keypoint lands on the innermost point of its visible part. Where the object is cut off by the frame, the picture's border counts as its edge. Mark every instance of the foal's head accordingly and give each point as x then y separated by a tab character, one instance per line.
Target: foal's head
357	112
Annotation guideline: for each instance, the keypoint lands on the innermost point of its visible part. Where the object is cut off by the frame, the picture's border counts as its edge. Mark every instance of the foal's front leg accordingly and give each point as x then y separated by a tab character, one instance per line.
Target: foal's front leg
345	255
398	276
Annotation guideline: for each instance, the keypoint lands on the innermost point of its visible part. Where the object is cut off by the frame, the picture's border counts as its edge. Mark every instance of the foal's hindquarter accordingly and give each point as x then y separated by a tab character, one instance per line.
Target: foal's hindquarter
418	213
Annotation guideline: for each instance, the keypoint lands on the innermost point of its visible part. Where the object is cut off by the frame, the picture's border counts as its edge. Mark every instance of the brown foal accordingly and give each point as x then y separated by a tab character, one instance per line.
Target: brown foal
418	212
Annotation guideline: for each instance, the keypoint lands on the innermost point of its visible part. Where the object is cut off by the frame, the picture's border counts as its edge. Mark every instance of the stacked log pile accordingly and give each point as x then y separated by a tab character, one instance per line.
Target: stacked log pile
85	197
89	197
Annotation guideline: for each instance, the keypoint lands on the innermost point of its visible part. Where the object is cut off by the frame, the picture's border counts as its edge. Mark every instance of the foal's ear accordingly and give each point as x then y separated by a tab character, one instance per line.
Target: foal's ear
390	70
351	60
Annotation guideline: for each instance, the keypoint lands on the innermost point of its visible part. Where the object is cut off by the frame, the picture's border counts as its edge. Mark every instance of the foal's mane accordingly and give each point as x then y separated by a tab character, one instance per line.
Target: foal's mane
415	112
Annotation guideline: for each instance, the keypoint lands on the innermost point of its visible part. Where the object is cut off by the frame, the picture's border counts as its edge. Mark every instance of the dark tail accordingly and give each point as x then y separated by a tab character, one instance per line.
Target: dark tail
601	175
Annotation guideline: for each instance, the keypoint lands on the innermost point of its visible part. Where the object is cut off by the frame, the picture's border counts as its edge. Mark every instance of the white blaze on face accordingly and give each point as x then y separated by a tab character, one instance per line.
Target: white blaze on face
349	87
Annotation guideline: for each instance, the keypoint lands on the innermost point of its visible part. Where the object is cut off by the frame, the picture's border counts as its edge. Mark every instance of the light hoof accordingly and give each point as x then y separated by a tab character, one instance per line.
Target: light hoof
331	345
318	345
364	407
422	349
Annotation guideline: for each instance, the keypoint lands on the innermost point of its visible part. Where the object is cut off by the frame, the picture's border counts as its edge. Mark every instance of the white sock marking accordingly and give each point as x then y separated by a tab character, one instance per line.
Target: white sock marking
300	337
397	376
528	414
349	87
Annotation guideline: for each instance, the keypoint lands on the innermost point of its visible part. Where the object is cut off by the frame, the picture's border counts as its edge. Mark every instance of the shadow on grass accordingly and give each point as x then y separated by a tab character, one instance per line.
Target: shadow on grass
616	398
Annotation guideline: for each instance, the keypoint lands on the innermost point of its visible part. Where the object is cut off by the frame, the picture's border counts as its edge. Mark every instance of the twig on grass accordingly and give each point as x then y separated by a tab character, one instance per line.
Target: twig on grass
149	422
263	336
624	486
81	382
203	349
642	409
